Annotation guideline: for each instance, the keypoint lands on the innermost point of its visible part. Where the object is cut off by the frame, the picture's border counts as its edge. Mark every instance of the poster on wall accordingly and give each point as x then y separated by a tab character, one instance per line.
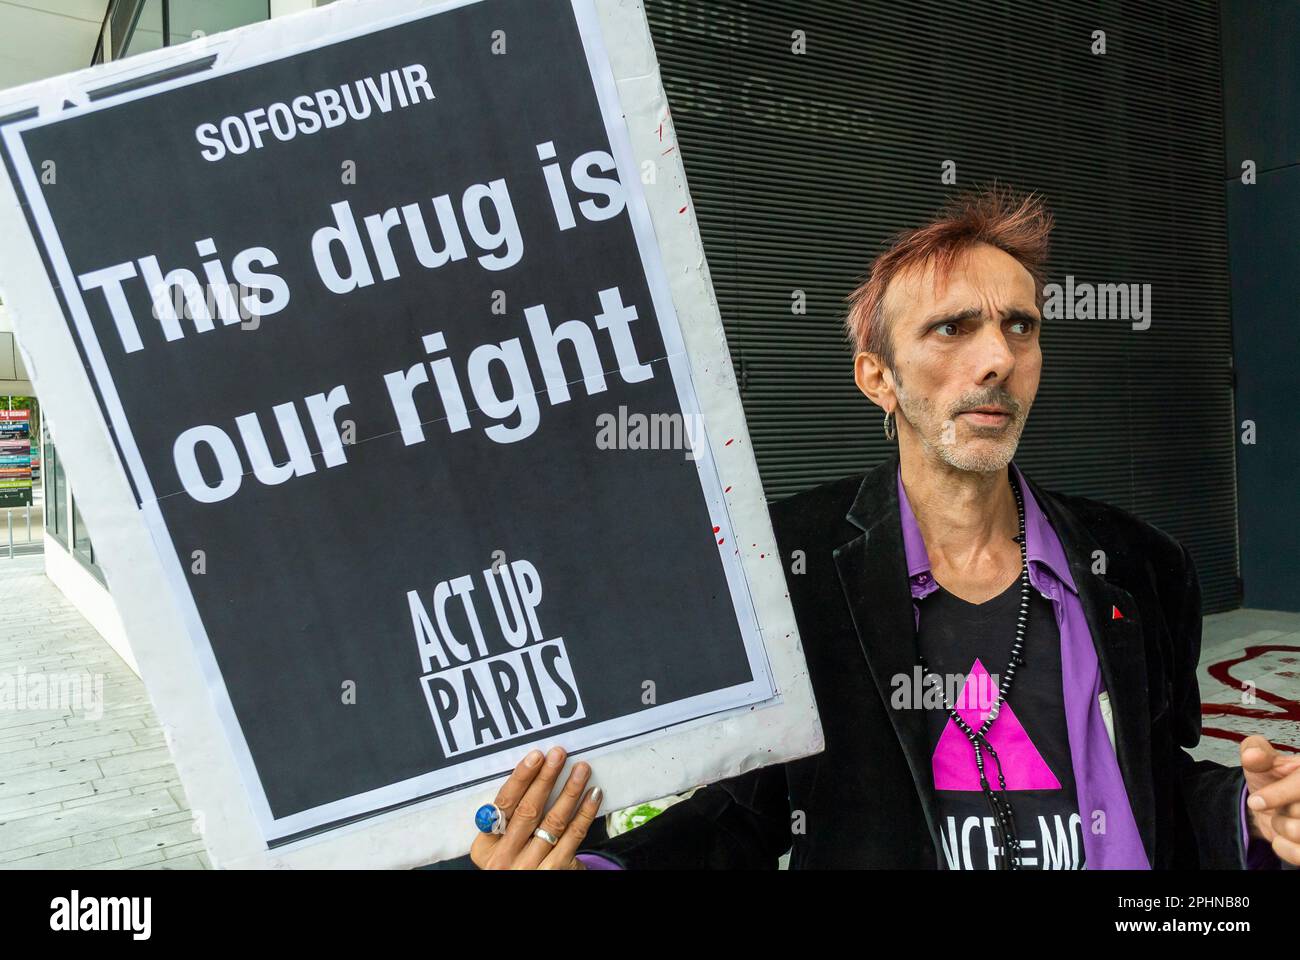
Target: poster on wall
418	457
15	458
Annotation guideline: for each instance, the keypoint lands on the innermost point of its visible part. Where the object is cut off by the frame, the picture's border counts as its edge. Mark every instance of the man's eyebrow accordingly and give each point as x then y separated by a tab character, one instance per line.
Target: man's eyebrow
970	313
1023	315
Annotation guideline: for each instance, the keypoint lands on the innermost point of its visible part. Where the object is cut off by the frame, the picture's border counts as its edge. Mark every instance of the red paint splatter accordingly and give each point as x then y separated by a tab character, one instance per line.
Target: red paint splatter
728	490
716	529
682	210
1286	709
730	442
722	541
1222	671
668	151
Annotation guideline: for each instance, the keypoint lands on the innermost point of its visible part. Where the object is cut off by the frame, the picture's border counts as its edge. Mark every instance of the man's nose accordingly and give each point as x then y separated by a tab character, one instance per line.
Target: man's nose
996	360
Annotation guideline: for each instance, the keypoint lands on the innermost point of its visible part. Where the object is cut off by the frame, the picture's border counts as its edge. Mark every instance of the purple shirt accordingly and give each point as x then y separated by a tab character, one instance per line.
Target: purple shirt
594	861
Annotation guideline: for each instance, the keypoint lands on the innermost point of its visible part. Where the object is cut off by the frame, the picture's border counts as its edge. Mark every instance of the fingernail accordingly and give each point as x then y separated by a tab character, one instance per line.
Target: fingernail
595	795
581	771
1256	802
533	758
555	757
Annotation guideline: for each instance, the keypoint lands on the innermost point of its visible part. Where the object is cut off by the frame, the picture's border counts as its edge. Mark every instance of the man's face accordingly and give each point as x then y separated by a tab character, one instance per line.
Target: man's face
966	358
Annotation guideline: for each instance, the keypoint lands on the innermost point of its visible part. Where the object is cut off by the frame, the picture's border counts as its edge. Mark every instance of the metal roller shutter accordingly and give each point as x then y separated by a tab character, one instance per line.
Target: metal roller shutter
801	165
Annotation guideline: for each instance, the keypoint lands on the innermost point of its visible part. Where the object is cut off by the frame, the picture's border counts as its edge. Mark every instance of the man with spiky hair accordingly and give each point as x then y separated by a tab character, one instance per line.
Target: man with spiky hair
1064	742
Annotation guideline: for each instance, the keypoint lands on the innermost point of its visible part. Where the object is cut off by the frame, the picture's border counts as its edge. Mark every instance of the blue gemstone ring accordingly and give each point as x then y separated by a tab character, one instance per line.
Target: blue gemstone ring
490	819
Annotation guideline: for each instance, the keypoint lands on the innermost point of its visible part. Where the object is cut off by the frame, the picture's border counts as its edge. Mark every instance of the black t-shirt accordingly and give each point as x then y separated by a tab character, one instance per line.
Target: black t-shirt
968	645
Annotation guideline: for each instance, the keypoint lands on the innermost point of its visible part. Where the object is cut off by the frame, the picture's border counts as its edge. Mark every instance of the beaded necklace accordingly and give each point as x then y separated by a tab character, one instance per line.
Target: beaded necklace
1005	822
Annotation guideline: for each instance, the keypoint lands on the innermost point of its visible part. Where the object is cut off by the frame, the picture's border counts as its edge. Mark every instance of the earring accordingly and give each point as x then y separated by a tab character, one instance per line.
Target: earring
891	428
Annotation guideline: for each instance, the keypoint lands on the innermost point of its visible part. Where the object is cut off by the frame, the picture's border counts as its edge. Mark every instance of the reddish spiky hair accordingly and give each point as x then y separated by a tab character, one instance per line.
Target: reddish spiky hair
1018	224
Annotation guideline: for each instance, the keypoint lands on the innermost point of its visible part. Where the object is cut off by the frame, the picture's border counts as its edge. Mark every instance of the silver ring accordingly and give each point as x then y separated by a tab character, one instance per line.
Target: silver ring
546	835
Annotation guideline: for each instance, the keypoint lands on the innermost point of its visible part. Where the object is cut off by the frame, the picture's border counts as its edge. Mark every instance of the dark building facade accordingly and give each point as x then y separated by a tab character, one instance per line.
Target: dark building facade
802	163
1261	90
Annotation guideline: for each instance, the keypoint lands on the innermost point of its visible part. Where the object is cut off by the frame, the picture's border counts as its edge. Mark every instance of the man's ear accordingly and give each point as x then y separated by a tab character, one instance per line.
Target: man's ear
875	381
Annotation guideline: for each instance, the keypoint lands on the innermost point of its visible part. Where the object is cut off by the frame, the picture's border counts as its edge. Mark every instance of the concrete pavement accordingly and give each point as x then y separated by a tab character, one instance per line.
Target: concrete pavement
85	777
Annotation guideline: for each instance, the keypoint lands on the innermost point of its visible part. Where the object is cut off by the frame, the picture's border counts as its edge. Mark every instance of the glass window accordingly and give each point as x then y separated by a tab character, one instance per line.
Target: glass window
56	492
145	31
188	19
72	535
81	545
120	17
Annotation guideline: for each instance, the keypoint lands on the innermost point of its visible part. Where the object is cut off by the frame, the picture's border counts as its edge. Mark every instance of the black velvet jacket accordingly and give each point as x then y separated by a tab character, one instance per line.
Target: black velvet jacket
867	801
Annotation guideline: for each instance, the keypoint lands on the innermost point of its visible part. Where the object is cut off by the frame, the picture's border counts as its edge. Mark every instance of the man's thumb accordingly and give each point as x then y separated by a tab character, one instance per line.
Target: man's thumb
1257	754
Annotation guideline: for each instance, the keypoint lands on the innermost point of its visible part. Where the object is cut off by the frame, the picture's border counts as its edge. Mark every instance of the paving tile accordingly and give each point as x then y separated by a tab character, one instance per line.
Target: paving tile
193	861
113	830
33	729
183	815
139	758
18	853
61	794
71	858
49	825
162	774
46	778
130	863
76	750
157	838
97	796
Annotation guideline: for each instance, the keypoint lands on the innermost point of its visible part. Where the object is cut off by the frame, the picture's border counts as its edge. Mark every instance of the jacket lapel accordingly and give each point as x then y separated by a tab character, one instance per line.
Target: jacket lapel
873	575
1121	658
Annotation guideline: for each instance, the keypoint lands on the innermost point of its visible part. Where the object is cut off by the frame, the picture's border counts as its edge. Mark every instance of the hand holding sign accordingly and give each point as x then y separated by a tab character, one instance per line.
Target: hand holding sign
521	801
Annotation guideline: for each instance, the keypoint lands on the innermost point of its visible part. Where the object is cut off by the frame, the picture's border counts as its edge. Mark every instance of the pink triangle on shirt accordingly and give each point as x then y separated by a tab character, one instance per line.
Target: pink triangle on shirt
954	758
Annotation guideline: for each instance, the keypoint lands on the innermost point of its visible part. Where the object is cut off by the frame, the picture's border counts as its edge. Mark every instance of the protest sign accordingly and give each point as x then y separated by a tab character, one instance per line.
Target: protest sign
402	452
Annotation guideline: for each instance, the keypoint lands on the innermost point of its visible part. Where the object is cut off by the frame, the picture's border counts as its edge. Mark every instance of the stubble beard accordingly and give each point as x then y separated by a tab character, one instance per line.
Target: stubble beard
940	434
